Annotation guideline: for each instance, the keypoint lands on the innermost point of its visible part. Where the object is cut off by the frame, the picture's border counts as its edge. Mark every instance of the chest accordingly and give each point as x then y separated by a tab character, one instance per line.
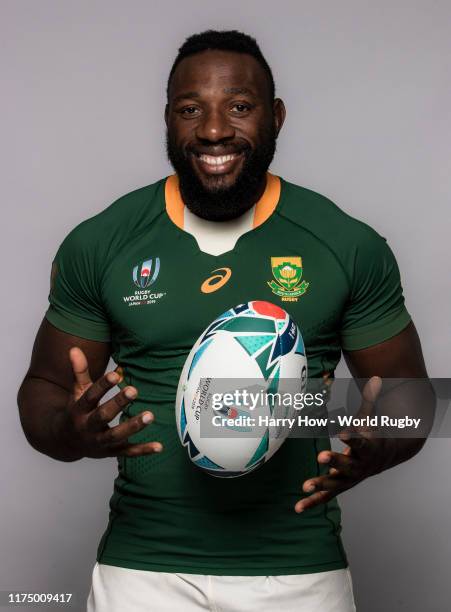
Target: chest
161	290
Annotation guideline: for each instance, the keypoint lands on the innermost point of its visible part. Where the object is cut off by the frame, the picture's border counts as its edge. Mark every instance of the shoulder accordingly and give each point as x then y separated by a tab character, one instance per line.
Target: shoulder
116	223
318	214
127	212
338	231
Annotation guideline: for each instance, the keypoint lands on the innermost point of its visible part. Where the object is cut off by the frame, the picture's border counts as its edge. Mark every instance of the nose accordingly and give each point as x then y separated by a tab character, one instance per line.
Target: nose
214	126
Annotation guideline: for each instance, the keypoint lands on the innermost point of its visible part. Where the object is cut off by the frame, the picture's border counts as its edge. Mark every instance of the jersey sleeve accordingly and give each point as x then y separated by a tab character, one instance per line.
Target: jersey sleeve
375	310
75	299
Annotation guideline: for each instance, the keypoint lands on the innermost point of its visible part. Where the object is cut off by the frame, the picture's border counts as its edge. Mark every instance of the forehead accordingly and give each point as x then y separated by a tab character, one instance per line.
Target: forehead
216	70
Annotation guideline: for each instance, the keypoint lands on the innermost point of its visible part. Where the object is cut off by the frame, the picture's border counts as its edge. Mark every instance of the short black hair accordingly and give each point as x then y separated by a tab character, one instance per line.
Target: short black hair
222	40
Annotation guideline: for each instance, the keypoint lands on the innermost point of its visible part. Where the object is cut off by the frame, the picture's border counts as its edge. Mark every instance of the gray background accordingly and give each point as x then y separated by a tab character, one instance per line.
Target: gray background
366	85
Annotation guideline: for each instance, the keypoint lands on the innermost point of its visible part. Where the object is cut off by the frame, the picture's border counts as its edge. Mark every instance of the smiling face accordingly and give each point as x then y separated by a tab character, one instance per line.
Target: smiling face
221	131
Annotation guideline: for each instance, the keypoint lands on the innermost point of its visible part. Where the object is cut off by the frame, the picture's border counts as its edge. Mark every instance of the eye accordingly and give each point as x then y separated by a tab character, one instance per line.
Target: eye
189	111
241	108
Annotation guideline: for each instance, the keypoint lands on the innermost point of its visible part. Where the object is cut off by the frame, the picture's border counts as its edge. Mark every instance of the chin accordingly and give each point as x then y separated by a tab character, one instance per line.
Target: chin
219	182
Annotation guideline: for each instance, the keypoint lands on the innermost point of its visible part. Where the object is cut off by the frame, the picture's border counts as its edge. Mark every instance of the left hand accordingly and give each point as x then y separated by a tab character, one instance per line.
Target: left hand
364	456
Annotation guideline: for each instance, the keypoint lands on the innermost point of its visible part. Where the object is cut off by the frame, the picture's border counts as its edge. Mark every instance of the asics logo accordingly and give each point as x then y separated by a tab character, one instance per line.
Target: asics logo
216	281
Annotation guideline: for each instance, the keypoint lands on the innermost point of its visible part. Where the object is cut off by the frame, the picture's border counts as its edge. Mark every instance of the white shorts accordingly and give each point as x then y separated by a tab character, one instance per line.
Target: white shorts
117	589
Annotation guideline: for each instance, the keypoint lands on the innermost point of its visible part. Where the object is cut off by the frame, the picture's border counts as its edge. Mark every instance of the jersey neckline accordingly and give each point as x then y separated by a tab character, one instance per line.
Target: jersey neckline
264	214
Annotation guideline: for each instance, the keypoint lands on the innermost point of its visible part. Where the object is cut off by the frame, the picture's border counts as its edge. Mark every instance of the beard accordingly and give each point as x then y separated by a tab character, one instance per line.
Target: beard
224	203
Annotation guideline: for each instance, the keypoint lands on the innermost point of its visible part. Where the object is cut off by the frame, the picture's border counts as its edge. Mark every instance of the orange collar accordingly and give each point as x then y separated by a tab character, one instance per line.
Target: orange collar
263	209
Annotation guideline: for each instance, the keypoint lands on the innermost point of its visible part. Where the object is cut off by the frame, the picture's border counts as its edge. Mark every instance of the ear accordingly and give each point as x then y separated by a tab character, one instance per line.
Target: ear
279	112
166	114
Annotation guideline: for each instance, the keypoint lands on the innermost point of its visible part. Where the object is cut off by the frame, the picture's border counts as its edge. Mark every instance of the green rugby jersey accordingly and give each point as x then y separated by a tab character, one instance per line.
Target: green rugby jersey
131	275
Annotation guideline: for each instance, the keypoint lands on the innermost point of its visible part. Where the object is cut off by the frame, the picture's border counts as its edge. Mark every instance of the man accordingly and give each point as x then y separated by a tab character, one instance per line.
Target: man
140	281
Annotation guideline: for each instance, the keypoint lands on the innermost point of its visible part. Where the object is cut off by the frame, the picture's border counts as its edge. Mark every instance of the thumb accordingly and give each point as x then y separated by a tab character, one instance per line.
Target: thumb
80	369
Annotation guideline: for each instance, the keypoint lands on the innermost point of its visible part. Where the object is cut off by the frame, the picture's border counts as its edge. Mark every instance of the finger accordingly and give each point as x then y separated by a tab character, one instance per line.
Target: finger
120	433
359	444
103	414
347	453
80	368
321	497
362	433
135	450
370	393
340	461
92	396
324	456
327	482
120	371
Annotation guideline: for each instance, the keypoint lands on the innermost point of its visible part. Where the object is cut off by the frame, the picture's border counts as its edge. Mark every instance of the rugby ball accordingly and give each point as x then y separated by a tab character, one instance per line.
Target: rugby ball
228	404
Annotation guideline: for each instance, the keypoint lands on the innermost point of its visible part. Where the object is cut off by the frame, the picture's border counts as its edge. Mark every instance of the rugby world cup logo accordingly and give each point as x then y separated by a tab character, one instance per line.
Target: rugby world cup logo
146	273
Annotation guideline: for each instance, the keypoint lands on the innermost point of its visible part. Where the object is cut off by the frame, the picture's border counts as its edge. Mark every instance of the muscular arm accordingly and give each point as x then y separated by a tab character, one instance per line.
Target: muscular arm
47	386
399	357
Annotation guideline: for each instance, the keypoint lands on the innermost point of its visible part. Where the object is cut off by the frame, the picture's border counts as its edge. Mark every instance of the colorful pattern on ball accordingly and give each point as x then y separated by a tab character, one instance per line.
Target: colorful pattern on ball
267	334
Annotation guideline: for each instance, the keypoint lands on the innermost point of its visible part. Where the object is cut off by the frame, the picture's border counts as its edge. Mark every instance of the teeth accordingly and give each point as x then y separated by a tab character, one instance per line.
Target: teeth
216	160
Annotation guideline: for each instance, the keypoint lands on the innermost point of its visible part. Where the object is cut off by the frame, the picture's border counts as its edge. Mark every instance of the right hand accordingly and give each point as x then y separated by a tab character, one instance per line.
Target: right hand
86	430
